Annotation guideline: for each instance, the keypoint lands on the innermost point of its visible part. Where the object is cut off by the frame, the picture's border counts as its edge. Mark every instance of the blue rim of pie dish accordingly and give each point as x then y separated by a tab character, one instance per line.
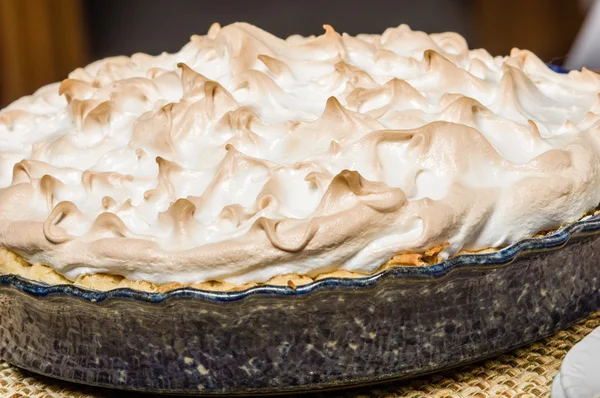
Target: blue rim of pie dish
504	256
557	69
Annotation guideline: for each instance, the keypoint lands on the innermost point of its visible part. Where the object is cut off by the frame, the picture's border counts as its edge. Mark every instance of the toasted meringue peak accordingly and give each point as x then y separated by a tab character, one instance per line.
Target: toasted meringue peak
245	156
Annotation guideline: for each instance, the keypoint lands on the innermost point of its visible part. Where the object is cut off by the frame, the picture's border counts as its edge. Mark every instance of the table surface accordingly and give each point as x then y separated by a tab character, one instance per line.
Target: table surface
525	372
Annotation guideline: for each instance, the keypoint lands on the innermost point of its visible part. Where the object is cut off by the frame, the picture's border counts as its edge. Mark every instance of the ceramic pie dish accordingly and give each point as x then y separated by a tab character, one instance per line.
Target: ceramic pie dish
399	323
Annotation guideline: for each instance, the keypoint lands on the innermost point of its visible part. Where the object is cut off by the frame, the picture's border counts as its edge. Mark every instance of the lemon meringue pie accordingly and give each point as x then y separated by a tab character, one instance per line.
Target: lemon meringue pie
245	158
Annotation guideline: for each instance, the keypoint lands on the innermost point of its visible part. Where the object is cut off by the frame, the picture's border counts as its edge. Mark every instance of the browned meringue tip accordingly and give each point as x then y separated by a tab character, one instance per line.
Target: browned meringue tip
264	201
192	82
519	54
88	114
334	147
234	213
140	153
320	179
73	88
277	67
356	75
333	106
52	231
180	215
269	226
165	164
214	30
432	57
108	203
110	222
182	209
335	114
328	28
127	205
48	185
21	172
533	128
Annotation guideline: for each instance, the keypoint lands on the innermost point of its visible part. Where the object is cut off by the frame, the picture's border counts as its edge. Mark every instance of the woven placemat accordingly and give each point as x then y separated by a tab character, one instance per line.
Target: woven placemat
523	373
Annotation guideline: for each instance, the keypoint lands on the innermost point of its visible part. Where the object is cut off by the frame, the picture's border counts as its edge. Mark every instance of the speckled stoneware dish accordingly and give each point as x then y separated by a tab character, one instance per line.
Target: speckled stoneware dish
335	332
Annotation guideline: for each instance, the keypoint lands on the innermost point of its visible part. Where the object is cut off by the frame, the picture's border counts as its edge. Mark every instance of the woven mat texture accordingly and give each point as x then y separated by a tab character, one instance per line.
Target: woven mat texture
523	373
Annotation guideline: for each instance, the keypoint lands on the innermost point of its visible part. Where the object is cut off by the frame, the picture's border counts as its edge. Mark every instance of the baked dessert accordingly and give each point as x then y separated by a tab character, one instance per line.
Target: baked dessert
245	159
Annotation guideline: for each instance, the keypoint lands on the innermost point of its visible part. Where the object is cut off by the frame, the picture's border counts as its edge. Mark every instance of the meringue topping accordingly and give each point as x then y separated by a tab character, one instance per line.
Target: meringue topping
245	156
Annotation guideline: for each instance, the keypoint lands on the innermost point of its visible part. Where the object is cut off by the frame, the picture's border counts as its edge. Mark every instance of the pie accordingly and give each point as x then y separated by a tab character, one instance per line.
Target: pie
246	159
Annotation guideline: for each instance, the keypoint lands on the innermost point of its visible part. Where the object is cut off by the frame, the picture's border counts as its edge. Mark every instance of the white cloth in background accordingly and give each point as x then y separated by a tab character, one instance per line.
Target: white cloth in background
586	48
579	375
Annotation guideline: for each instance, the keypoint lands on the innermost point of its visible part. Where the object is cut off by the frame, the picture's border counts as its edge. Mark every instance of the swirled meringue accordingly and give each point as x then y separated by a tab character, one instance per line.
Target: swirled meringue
245	156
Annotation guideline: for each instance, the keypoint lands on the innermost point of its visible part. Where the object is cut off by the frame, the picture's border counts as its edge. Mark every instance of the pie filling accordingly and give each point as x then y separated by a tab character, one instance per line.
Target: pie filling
247	159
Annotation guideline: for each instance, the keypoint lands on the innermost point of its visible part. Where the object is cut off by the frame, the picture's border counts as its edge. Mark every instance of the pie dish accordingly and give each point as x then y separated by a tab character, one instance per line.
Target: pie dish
250	210
332	333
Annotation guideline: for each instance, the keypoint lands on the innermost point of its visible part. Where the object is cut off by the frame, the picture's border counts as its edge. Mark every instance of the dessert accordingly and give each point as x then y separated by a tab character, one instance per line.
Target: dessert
245	158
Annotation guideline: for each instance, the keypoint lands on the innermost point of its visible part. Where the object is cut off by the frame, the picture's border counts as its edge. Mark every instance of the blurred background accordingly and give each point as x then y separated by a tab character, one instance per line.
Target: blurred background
41	41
